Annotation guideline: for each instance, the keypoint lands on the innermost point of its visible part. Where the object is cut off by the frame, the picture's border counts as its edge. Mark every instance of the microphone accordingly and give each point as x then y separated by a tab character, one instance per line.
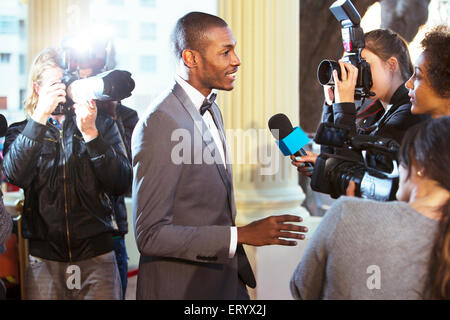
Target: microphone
3	125
290	140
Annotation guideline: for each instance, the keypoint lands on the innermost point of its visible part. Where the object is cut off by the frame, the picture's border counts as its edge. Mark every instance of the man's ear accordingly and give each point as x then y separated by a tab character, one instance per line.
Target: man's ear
190	58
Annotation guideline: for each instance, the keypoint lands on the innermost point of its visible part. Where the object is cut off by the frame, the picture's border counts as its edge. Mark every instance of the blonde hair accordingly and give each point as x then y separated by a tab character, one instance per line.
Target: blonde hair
46	59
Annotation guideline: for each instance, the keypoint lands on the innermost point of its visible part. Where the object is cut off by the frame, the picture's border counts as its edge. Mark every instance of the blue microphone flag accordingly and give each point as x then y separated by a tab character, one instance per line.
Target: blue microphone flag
293	142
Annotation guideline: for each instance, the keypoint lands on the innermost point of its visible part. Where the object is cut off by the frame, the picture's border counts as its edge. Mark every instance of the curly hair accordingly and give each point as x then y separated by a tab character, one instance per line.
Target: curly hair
436	46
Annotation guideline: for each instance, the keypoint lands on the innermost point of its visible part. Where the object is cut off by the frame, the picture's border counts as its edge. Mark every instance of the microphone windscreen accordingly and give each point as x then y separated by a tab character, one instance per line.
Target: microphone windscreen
3	125
281	123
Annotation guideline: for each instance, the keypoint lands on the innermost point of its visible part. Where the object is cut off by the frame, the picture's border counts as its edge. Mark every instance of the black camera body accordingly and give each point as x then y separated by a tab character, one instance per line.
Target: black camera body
66	108
375	176
353	41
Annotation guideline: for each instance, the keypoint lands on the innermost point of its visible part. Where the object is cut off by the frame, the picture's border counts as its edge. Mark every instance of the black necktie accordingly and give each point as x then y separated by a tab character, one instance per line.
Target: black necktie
207	103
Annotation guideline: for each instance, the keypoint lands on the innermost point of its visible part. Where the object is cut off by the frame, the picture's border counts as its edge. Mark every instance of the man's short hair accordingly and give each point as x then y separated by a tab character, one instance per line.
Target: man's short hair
190	31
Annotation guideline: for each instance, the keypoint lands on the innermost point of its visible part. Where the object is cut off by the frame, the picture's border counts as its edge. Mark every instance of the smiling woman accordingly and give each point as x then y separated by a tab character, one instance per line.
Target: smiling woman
429	86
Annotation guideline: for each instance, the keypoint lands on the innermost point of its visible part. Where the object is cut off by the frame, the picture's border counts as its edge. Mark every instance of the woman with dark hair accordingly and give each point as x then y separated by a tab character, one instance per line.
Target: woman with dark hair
365	249
390	63
429	86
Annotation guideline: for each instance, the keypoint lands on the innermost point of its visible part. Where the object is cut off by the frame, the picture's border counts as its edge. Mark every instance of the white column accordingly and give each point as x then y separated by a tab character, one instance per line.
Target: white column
268	44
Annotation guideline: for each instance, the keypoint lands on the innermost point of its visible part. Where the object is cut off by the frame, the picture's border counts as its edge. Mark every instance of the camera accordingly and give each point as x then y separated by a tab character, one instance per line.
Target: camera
353	41
375	175
112	85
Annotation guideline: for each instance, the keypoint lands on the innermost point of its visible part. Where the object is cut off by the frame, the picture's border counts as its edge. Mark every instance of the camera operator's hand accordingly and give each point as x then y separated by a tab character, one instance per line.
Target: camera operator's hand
344	89
351	189
86	115
269	230
48	99
299	162
329	94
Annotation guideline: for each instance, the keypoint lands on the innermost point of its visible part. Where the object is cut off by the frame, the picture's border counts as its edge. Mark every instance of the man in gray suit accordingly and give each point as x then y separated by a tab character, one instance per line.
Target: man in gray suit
184	211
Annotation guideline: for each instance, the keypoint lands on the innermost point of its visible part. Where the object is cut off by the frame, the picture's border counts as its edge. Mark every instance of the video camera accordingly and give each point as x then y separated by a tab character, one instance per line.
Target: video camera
77	54
375	176
353	41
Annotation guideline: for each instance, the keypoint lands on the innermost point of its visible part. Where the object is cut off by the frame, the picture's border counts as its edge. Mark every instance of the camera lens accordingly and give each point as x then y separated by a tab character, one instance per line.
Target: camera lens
325	72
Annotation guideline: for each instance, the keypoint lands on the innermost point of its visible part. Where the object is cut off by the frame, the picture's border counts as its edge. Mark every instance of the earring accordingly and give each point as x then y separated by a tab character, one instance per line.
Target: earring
420	173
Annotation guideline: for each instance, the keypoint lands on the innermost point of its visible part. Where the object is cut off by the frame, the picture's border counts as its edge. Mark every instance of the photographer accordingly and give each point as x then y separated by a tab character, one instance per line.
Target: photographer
95	60
365	249
67	165
390	64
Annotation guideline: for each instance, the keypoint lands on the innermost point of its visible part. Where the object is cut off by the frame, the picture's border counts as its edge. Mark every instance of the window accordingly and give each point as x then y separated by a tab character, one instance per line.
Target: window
148	31
116	2
22	96
22	29
148	3
5	57
148	64
22	64
8	25
120	28
122	60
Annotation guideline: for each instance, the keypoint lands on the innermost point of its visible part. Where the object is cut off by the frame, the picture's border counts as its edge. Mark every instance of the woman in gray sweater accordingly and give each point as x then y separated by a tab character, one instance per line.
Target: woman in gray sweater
365	249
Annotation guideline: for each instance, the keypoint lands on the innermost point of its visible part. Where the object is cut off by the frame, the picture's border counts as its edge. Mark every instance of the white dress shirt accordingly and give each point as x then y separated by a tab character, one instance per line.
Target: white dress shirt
197	99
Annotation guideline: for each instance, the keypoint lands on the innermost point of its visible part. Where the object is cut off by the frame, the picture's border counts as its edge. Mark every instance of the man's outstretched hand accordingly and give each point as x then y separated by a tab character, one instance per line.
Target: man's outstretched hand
269	230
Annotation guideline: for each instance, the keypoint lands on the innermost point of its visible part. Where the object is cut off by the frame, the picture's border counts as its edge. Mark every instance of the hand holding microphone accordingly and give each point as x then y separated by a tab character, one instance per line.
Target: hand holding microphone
304	163
291	142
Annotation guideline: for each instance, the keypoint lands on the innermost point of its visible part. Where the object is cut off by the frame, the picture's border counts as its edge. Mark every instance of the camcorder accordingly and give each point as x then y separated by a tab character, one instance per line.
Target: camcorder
375	175
353	41
112	85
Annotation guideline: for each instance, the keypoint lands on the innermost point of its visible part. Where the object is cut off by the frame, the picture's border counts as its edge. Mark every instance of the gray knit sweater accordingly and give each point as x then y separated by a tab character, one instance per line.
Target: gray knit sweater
365	249
5	225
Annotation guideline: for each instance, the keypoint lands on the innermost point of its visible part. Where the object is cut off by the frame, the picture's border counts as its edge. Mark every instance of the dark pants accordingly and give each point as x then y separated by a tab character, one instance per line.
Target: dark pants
122	261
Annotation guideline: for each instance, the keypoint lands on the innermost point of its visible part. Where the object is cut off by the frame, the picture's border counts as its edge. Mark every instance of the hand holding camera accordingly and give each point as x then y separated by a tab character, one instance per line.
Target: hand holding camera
86	113
344	88
329	71
50	96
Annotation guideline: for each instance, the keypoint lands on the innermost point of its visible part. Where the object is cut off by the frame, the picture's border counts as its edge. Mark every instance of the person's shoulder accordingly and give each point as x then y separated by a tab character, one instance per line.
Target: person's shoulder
162	108
357	208
17	126
403	118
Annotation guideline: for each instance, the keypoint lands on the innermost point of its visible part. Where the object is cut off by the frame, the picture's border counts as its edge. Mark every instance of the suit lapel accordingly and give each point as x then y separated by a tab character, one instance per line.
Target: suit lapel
199	124
218	121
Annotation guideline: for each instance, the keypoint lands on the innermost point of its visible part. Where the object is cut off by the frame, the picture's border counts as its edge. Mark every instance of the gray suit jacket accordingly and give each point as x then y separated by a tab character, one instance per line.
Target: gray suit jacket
183	211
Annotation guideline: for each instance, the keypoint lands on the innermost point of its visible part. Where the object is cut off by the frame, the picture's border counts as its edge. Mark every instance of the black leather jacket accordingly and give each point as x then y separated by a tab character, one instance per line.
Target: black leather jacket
393	124
67	213
126	119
